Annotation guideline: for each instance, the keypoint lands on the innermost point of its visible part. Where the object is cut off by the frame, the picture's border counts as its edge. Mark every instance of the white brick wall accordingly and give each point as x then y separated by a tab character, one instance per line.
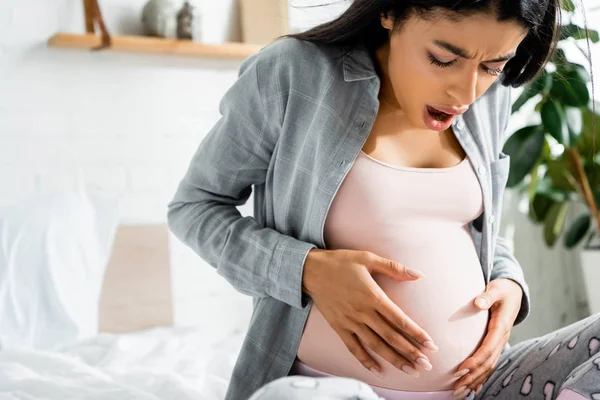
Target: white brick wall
121	122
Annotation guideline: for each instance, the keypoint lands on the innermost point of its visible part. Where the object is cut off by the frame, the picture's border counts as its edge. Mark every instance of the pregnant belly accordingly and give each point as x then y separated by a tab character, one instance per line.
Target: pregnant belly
441	303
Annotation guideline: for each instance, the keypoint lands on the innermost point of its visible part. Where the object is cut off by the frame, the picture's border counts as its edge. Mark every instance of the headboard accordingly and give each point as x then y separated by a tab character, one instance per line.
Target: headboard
136	292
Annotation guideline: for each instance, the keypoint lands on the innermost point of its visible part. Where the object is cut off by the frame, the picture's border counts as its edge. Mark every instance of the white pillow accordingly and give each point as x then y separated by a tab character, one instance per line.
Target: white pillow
53	255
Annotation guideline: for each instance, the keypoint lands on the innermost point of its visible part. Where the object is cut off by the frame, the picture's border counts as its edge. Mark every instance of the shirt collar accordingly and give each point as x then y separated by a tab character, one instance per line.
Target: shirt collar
358	64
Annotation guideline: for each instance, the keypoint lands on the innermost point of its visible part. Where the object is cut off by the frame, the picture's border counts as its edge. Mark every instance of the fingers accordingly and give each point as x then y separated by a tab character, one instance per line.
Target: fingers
359	352
476	386
481	370
390	268
379	346
482	362
397	341
400	321
484	358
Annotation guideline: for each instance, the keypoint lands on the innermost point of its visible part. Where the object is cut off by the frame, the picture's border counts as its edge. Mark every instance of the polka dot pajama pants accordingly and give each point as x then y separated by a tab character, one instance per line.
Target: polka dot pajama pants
561	365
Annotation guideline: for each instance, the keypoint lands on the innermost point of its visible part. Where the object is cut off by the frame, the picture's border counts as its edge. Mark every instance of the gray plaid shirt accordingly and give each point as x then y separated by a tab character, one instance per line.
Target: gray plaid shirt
292	125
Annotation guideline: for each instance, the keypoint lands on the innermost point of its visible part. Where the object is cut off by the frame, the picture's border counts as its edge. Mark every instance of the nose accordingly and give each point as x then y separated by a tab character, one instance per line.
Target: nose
464	88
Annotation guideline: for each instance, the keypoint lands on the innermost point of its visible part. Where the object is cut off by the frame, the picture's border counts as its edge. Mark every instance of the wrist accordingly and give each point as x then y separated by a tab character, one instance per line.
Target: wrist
308	272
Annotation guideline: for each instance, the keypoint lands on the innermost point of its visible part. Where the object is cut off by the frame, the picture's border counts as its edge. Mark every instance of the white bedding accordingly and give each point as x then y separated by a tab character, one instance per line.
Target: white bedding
157	364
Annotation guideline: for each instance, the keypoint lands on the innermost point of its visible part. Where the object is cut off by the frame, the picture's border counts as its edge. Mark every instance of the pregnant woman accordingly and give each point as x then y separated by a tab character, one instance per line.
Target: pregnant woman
373	144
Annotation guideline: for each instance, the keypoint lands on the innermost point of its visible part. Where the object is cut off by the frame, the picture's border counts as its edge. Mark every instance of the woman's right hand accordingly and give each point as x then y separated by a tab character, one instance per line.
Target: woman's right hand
342	288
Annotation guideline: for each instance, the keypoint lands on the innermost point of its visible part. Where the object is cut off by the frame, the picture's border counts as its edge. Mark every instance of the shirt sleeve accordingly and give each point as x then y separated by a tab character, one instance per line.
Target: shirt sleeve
234	155
505	264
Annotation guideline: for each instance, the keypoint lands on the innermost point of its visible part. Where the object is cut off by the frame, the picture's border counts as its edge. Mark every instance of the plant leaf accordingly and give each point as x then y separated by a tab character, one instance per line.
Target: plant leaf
546	188
524	148
567	5
577	230
543	83
559	57
539	207
574	117
577	32
535	178
582	71
557	168
555	222
586	141
570	86
553	118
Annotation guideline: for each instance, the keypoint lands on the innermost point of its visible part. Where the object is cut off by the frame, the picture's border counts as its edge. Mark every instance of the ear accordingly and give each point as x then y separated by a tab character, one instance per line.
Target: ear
387	21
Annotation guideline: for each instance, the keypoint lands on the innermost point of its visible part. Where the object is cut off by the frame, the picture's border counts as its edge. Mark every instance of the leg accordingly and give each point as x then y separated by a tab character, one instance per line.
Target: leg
584	381
561	365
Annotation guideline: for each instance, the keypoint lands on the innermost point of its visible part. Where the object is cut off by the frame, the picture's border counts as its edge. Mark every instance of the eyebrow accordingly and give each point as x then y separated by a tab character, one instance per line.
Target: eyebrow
465	54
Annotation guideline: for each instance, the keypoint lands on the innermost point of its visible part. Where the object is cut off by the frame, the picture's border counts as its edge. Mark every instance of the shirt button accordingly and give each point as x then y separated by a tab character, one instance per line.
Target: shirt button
491	219
459	125
480	170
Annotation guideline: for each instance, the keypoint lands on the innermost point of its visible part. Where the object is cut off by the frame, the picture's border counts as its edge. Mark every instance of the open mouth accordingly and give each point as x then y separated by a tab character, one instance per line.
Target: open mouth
438	115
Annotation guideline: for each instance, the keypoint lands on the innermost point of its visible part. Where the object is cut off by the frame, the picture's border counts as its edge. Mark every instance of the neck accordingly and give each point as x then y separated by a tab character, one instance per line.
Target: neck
386	92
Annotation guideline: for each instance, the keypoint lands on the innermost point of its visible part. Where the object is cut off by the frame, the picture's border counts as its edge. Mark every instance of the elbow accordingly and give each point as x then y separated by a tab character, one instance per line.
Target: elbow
175	217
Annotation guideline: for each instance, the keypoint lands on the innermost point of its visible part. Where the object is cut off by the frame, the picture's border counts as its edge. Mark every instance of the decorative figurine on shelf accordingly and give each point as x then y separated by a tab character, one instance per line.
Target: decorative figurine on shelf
171	19
185	21
93	17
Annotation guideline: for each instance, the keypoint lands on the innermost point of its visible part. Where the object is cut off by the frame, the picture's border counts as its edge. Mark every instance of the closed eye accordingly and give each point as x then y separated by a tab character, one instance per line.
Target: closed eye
441	64
492	71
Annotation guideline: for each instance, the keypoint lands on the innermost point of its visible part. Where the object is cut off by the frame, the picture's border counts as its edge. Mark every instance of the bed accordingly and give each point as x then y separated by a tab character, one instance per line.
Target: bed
136	352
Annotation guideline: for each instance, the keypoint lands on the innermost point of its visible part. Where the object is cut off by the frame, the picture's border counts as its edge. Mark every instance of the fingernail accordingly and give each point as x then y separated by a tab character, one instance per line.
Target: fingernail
415	273
463	395
479	388
422	361
376	372
461	373
410	370
459	391
481	302
431	346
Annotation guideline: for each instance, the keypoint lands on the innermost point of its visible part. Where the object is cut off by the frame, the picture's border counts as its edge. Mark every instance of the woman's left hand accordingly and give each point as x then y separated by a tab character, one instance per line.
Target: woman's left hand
503	299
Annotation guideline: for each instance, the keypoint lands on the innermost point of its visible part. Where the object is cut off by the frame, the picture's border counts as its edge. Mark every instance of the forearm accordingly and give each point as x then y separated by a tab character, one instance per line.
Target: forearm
256	261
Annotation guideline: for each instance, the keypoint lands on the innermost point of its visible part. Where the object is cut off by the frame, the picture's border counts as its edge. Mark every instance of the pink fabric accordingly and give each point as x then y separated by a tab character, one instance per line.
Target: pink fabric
567	394
419	217
387	394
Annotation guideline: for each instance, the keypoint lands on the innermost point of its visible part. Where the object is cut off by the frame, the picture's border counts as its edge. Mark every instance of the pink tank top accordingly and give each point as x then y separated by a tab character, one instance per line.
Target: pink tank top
419	217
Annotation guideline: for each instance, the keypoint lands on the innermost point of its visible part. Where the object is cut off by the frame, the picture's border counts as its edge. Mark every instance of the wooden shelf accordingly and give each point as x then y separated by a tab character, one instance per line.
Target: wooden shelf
153	45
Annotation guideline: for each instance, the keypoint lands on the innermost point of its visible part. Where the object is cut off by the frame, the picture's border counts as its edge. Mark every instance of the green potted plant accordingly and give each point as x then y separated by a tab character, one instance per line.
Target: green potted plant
556	162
